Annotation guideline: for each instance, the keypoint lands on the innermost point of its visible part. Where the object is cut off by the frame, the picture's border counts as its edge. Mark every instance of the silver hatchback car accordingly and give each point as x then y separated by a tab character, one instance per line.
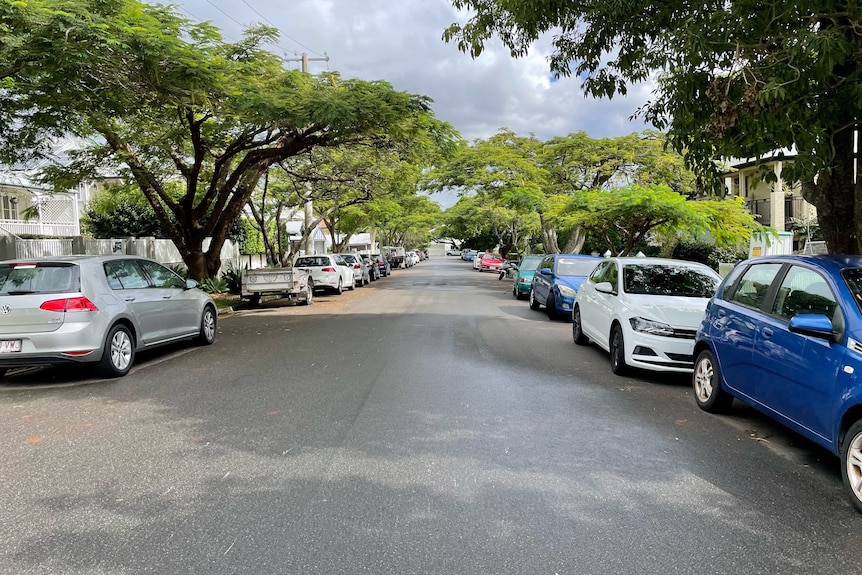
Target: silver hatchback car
99	310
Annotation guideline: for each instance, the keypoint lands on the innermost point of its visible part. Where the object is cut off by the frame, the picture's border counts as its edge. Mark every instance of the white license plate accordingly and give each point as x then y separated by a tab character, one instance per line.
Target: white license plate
10	345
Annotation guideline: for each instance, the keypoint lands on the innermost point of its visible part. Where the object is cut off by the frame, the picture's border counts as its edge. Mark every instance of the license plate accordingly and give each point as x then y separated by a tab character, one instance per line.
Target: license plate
10	345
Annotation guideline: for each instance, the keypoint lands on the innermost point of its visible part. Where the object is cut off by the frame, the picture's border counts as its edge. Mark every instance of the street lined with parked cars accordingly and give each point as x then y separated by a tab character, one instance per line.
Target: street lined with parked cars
476	387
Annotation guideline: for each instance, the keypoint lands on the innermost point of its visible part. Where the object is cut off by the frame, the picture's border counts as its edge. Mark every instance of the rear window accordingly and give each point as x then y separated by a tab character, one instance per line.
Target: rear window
529	264
668	280
39	278
312	262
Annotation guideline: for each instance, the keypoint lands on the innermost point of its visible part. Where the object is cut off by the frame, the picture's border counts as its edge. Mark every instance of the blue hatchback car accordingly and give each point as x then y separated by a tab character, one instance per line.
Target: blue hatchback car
784	335
556	281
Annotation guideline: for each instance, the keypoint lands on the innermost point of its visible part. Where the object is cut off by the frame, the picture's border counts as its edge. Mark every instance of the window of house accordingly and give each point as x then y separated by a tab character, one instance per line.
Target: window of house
10	207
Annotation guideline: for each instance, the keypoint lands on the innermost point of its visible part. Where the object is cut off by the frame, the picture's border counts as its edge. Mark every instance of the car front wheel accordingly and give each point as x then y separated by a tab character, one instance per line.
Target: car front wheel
706	381
851	463
208	327
577	332
618	352
119	353
551	306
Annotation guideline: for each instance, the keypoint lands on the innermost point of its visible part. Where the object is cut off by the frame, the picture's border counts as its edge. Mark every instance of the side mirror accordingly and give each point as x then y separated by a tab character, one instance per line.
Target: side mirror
546	271
813	324
605	287
191	284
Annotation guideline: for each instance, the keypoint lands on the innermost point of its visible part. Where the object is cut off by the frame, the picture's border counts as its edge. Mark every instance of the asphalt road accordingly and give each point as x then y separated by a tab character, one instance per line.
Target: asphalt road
427	423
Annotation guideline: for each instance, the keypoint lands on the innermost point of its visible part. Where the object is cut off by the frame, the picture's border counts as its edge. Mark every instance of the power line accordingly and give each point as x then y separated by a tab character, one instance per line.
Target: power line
282	33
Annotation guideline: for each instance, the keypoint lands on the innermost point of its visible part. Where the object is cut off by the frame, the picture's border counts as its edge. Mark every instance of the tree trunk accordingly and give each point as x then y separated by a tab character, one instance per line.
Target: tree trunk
549	237
838	198
576	242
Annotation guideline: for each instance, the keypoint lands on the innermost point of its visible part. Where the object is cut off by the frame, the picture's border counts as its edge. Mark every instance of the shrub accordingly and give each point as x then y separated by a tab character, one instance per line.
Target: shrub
233	277
214	285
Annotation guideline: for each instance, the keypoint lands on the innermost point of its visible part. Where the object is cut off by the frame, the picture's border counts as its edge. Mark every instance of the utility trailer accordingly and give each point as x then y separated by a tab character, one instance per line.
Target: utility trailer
294	283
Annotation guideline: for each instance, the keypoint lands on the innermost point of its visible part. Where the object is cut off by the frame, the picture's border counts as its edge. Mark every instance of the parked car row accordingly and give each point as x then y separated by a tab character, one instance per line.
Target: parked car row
781	333
337	272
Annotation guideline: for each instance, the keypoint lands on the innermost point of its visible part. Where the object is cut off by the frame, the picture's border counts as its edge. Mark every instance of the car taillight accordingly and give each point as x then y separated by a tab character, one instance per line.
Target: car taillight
357	266
69	304
328	269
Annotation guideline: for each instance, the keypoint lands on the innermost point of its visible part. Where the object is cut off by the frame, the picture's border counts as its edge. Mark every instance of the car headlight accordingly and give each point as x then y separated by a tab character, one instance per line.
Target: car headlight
567	291
649	326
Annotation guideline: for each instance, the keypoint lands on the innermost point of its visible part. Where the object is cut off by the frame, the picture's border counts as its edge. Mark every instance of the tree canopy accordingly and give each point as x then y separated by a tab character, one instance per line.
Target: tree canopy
740	79
194	121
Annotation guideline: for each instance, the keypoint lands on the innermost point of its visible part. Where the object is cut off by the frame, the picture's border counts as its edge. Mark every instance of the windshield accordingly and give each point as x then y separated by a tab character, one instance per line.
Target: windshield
575	267
853	279
665	279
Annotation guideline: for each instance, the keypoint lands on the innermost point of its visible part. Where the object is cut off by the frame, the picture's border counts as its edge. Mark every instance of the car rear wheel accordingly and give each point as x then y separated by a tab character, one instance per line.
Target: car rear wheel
851	463
352	285
706	381
551	306
577	332
618	352
309	294
208	327
533	303
119	353
340	289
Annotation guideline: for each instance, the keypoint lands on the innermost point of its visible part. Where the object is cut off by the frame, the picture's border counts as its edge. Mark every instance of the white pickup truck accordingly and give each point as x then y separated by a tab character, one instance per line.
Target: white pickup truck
295	284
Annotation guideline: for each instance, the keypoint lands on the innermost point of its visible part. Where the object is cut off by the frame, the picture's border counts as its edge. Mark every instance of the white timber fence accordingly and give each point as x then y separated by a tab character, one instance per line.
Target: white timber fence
163	251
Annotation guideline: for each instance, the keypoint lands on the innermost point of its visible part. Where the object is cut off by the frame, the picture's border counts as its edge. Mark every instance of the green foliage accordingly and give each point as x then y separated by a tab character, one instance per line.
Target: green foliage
233	279
214	285
707	253
742	79
126	218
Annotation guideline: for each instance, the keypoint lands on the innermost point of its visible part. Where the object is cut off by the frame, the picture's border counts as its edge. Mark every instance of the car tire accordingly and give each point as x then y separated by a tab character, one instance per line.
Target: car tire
551	306
309	294
352	285
706	381
119	353
618	351
533	303
340	289
577	330
209	321
851	463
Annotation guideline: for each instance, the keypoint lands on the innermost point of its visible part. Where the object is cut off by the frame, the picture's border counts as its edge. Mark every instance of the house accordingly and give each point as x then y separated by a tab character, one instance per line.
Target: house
777	204
28	207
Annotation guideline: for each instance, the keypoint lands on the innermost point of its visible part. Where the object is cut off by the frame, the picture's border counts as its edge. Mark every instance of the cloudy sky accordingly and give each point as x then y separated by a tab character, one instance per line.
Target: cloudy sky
399	41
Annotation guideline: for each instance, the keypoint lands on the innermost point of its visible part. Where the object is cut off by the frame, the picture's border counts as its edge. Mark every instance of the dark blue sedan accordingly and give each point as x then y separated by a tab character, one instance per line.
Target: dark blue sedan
784	335
556	281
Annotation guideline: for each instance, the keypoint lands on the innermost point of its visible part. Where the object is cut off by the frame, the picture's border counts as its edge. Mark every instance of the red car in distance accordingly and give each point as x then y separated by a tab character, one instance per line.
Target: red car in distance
491	261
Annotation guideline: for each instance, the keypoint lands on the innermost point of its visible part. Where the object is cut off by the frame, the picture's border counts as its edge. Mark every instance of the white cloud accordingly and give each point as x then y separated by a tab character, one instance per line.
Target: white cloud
401	42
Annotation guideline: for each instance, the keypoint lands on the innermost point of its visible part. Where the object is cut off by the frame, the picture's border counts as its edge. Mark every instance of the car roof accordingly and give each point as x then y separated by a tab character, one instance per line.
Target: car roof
579	256
832	263
75	258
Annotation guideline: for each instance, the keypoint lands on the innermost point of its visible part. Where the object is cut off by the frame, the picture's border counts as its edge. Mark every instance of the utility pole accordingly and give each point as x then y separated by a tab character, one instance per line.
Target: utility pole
309	211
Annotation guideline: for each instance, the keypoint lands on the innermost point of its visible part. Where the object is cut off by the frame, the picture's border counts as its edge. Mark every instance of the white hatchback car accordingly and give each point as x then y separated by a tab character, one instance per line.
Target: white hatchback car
644	311
329	271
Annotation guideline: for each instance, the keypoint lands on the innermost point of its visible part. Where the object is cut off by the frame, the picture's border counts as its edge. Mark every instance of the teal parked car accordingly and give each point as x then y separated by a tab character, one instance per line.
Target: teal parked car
523	277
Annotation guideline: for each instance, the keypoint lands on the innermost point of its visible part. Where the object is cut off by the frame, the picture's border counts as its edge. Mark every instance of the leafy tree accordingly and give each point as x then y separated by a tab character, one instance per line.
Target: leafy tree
195	121
735	79
124	219
632	213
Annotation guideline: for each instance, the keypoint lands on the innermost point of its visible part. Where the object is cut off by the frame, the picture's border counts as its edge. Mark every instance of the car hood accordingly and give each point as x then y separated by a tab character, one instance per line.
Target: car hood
573	282
676	311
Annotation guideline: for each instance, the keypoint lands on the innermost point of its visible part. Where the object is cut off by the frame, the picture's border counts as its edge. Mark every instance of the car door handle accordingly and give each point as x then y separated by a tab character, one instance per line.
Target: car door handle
767	332
129	299
169	296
